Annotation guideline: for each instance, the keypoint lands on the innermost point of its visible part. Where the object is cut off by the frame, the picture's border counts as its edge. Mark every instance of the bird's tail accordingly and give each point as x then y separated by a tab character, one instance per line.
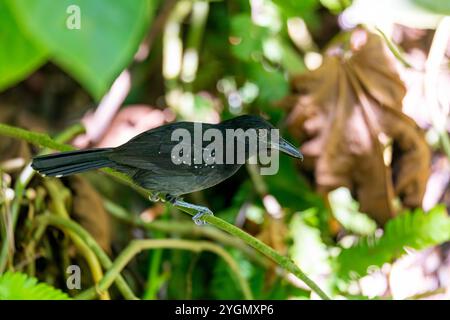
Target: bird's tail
67	163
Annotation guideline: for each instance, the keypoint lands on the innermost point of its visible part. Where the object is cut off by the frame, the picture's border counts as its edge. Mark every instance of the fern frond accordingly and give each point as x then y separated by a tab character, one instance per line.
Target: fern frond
417	230
19	286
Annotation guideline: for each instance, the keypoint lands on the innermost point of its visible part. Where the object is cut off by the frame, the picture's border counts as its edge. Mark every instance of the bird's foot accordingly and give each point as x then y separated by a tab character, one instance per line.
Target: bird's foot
197	211
171	199
154	197
198	217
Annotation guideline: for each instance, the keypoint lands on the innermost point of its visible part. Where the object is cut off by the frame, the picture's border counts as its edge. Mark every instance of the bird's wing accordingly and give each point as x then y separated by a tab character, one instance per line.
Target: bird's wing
152	150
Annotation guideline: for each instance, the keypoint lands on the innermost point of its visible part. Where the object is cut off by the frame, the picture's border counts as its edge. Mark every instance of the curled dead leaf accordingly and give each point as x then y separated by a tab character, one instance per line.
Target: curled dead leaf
342	113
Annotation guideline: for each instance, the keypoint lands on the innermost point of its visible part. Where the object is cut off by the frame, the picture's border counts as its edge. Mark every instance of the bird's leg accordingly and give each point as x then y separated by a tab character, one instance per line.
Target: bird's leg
197	211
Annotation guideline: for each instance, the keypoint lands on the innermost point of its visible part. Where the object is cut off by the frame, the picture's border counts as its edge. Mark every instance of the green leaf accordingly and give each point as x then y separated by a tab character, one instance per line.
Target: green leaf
247	38
305	9
272	83
308	251
291	60
417	230
336	6
95	54
290	189
440	7
19	286
19	56
224	284
295	8
346	211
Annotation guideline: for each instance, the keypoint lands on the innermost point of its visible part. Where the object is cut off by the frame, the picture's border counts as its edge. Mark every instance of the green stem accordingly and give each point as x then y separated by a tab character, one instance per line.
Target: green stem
54	187
185	229
394	49
41	139
189	68
27	174
30	248
282	261
91	243
44	140
153	277
137	246
155	258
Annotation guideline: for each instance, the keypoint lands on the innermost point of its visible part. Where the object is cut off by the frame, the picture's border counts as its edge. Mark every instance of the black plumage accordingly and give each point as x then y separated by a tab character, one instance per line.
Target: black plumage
147	159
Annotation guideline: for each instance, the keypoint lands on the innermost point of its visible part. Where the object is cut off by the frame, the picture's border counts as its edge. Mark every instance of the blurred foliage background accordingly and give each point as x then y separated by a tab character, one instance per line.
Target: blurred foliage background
362	86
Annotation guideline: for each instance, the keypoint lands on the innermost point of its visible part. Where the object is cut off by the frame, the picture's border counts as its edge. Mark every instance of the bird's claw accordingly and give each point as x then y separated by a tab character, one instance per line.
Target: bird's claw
154	197
198	218
172	199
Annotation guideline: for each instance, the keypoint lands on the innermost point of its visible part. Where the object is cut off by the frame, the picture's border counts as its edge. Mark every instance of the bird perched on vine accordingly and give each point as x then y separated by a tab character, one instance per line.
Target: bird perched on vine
173	160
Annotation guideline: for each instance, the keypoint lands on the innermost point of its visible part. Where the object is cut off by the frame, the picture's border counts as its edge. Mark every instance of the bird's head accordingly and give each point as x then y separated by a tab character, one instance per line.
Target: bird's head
264	133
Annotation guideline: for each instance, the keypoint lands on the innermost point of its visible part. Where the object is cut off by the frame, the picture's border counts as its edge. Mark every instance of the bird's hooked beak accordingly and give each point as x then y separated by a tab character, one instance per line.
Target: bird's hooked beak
287	148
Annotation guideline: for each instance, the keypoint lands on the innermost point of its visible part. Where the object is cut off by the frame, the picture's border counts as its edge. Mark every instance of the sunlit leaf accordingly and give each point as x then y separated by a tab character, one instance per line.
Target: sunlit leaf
346	211
294	8
19	286
335	6
308	250
441	7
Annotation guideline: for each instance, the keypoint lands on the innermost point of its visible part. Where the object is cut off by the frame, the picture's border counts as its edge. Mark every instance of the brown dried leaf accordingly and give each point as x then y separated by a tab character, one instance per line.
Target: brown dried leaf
88	210
273	234
342	111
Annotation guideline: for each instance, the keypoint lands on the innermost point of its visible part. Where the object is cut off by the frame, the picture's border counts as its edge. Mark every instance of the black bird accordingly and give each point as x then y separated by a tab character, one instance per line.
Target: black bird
149	159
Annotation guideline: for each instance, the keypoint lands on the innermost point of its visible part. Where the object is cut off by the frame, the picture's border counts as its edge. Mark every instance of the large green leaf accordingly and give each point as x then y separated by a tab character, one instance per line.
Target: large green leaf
18	55
19	286
416	230
105	44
